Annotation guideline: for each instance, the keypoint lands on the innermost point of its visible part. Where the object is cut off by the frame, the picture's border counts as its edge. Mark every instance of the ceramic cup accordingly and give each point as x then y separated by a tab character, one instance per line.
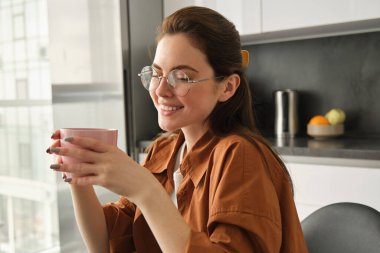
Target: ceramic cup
102	134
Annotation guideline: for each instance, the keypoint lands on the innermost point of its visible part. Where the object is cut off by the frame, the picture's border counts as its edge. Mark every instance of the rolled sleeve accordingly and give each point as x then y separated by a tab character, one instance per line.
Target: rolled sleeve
200	242
119	218
236	232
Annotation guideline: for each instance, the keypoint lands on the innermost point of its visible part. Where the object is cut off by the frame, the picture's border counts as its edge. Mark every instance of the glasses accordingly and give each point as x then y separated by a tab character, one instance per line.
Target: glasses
177	80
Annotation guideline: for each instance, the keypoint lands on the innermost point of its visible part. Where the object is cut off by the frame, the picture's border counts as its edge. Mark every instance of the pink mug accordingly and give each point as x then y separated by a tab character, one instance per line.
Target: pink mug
102	134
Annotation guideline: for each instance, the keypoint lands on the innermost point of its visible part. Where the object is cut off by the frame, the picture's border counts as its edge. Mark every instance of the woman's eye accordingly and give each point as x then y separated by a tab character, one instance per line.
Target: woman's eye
181	77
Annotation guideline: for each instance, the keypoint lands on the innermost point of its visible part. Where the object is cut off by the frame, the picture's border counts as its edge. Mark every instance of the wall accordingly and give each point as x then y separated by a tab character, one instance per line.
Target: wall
342	71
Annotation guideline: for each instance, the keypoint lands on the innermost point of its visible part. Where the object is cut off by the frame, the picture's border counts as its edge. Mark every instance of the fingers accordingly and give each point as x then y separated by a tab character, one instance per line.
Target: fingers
89	143
58	159
56	143
56	135
78	153
85	173
83	142
77	168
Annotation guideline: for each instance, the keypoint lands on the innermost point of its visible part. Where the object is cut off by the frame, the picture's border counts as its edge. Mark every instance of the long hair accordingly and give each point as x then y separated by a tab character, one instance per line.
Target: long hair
219	40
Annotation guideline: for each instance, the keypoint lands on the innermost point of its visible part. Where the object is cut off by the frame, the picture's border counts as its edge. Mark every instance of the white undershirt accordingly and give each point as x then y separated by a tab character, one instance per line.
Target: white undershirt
177	176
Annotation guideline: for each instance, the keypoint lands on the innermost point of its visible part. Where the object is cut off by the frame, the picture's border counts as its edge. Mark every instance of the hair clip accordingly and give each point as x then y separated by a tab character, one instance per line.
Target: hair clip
245	57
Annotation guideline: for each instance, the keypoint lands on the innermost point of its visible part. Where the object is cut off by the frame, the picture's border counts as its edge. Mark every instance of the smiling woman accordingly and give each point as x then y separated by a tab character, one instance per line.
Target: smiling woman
211	183
198	95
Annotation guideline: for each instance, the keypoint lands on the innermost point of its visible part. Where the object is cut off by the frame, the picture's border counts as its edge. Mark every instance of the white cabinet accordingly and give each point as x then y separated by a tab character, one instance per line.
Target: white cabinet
291	14
318	185
262	21
245	14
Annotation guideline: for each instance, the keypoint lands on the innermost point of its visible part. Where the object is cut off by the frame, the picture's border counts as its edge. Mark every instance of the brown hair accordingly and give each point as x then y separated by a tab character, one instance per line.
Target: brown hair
219	40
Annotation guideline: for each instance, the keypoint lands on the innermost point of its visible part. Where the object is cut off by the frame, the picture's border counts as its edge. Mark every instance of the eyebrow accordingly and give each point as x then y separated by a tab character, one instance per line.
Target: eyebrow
176	67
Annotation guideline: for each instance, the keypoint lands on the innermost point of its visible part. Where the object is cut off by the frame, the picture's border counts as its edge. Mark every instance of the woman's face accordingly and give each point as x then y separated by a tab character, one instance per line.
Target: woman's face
190	111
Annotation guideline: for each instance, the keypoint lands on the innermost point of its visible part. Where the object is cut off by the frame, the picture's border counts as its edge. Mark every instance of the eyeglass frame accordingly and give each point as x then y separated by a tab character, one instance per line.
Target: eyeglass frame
189	81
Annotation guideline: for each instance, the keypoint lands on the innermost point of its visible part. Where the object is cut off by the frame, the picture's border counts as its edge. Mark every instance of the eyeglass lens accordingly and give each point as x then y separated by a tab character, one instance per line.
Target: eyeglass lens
177	80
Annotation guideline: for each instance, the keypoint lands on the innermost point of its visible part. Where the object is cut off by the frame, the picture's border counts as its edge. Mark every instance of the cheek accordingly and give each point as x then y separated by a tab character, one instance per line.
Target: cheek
202	105
154	98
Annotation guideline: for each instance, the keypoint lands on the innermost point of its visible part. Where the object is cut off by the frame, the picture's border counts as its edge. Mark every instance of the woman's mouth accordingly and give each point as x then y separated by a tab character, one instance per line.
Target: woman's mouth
166	110
170	108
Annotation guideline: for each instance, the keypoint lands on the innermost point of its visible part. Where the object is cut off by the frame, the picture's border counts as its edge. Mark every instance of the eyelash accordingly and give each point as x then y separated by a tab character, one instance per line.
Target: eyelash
156	74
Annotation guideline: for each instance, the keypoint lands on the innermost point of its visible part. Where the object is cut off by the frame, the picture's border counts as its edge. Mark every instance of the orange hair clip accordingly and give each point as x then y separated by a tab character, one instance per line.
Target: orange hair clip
245	57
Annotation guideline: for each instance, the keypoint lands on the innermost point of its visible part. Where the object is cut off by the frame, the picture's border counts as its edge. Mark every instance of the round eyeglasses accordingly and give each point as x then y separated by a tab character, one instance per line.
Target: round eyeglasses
177	80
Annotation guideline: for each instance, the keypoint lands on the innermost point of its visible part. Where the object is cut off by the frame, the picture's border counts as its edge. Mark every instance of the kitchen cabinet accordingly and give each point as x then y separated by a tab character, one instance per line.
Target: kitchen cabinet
245	14
291	14
317	185
263	21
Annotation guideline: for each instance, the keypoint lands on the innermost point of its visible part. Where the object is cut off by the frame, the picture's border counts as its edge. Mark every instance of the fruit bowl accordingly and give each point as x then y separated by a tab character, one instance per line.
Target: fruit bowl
325	131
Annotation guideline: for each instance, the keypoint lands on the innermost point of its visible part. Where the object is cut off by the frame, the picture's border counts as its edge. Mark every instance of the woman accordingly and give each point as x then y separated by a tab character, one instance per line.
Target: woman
211	183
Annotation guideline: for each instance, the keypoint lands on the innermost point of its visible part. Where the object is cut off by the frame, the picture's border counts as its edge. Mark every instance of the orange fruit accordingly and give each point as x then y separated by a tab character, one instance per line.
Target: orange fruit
319	120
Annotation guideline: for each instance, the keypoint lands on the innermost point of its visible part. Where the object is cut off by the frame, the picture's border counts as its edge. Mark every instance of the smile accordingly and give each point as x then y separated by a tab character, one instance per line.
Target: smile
170	108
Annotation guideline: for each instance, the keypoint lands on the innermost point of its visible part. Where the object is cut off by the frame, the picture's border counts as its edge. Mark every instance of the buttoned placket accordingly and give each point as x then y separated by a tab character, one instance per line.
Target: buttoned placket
186	188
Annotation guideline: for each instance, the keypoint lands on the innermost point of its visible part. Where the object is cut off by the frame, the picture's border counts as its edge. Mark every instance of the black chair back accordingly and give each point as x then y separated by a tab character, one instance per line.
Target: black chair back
343	228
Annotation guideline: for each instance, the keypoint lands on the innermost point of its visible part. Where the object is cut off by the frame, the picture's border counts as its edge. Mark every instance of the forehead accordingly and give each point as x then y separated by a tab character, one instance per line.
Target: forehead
178	49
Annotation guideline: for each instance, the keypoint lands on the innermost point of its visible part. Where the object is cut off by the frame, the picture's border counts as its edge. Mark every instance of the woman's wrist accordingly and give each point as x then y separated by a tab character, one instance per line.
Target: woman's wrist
150	191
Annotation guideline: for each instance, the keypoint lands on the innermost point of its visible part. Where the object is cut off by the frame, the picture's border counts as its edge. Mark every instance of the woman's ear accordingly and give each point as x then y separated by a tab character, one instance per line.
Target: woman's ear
231	83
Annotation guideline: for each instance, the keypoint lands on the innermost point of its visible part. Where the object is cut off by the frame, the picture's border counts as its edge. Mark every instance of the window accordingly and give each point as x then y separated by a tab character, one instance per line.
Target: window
21	89
28	201
18	26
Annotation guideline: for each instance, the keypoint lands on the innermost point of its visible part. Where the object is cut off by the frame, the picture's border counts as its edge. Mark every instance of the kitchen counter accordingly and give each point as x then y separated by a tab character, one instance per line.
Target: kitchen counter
364	148
346	150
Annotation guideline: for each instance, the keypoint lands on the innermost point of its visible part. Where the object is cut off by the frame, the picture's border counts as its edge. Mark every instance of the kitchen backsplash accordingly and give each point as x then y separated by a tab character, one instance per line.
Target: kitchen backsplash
332	72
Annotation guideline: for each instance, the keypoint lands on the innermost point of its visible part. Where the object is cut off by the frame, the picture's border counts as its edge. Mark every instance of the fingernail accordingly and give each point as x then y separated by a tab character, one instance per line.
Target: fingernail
67	180
52	135
48	151
55	166
55	150
69	139
64	176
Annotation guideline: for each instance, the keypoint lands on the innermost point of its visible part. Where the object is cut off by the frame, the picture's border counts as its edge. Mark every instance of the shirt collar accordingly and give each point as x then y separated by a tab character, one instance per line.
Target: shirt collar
195	162
164	153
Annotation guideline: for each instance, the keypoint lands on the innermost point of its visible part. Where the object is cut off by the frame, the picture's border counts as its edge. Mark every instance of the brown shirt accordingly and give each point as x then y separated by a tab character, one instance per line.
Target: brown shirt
234	195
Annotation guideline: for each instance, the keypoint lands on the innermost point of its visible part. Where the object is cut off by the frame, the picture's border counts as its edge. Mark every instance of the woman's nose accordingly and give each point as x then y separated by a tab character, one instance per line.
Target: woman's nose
163	89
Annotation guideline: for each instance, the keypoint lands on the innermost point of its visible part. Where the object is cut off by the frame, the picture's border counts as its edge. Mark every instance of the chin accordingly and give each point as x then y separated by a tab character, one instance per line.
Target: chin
167	127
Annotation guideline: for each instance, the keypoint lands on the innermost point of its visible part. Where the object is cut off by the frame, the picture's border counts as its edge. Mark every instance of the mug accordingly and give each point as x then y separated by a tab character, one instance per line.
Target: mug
102	134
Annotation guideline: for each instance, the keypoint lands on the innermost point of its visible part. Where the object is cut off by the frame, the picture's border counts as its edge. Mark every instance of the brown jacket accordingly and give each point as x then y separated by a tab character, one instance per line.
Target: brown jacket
234	195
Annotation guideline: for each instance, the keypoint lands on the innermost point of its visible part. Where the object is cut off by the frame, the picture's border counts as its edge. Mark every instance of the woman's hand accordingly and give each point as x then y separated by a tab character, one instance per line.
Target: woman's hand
103	165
